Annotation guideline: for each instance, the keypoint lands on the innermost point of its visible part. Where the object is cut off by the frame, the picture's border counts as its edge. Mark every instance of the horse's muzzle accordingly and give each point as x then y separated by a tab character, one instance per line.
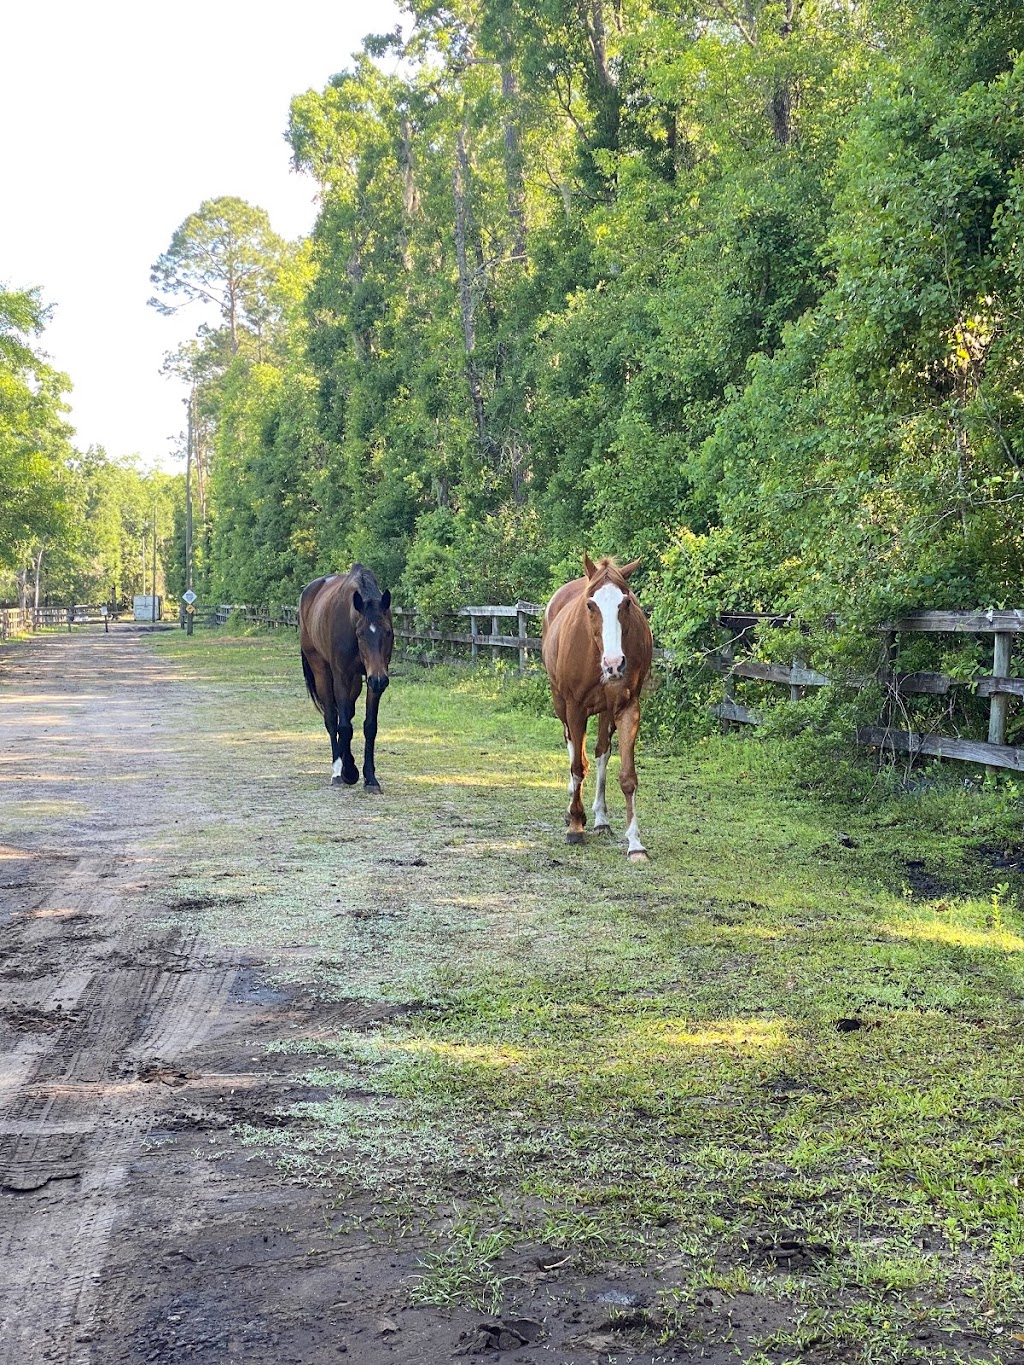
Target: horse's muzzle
613	669
377	682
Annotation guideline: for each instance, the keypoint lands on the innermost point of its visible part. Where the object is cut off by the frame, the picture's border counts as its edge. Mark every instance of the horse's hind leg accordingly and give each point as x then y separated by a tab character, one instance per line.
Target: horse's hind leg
628	724
602	753
324	685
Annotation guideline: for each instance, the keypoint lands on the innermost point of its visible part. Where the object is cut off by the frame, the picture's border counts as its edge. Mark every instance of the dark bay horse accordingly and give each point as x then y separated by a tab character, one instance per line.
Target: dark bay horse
597	649
345	634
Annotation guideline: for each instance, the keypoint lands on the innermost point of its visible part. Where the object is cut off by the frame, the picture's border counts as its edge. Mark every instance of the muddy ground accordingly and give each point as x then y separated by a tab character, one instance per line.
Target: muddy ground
134	1226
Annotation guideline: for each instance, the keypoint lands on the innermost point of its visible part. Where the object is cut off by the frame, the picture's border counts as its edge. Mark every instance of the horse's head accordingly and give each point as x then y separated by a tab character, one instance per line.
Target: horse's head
609	605
375	637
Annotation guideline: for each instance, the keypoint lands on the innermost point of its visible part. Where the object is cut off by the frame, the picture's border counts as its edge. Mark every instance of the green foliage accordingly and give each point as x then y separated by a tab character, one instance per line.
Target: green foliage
33	434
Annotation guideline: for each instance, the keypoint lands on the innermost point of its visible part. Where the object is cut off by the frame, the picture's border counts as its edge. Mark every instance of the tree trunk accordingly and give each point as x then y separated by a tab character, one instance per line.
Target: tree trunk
780	106
39	571
410	193
460	187
515	189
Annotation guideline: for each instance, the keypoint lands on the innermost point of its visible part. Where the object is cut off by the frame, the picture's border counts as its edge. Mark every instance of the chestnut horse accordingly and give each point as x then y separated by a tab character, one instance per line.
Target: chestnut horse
597	649
345	634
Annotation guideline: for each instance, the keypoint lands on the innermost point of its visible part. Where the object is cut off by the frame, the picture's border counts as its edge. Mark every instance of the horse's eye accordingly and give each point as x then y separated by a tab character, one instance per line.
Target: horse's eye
591	604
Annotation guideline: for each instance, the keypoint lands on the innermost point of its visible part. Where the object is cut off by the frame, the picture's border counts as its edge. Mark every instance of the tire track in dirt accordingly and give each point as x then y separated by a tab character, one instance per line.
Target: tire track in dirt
89	992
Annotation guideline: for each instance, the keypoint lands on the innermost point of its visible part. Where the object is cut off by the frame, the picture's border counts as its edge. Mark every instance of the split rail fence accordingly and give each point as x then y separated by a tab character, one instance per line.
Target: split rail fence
1003	626
410	628
23	620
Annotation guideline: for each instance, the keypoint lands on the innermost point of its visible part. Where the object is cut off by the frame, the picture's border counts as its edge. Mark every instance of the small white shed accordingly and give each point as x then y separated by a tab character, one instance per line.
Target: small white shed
144	608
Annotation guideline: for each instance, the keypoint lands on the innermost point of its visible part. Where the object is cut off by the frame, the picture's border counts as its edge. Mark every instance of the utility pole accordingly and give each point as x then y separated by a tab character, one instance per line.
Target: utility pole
188	509
153	601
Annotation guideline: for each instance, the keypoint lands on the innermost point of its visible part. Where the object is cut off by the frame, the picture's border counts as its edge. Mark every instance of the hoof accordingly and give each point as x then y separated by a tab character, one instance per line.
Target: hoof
602	829
639	855
574	836
337	782
374	788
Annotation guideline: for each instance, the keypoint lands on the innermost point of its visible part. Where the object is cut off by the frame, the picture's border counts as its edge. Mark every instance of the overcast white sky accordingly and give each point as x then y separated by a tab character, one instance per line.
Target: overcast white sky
117	119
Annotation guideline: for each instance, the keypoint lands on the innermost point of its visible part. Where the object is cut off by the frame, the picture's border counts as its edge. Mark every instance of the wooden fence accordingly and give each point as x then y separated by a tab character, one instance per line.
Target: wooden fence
409	626
998	686
268	616
23	620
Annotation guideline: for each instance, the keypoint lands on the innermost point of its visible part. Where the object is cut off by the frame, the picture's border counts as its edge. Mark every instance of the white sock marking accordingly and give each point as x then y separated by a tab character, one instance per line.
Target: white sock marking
336	770
600	810
633	835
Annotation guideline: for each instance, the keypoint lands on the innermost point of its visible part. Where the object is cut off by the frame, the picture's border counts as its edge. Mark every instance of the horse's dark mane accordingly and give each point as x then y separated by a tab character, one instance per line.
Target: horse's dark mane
364	581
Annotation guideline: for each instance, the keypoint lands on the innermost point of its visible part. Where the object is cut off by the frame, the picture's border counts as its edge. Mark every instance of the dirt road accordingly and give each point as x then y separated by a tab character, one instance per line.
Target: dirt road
131	1227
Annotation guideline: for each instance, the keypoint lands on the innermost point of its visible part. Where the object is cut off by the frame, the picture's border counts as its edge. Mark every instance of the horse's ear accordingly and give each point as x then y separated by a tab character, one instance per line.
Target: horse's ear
589	565
627	569
385	601
357	601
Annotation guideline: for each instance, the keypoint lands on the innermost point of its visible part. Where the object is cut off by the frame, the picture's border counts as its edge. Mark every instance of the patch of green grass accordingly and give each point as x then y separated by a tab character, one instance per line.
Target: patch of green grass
463	1271
800	1021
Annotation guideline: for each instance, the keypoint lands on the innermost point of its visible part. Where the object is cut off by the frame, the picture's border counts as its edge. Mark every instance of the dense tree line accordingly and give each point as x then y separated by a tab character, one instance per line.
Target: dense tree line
733	286
74	527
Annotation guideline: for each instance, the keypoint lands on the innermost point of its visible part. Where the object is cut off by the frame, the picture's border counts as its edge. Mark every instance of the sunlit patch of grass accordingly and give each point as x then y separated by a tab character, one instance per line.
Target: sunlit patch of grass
476	1054
956	935
17	812
488	780
727	1033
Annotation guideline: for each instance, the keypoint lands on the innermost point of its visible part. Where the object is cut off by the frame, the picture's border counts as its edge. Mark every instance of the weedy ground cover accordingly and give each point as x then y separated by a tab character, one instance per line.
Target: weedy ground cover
783	1059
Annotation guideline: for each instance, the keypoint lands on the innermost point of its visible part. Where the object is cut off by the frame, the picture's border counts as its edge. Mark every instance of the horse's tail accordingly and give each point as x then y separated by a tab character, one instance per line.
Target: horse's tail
310	682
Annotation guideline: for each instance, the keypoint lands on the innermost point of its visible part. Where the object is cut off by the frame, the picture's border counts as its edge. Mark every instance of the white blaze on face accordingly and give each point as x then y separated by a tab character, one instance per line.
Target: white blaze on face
608	599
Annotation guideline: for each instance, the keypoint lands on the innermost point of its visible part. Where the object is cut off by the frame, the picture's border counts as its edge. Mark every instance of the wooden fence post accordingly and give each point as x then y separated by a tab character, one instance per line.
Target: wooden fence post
496	630
474	630
728	684
796	692
521	618
887	677
999	701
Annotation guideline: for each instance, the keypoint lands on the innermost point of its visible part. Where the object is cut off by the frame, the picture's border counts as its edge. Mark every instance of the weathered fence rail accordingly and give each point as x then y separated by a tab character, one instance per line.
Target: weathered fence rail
1003	625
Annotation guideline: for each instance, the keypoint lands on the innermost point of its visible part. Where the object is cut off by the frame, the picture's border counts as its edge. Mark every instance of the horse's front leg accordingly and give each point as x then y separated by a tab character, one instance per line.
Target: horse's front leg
345	768
576	742
628	722
373	696
602	753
